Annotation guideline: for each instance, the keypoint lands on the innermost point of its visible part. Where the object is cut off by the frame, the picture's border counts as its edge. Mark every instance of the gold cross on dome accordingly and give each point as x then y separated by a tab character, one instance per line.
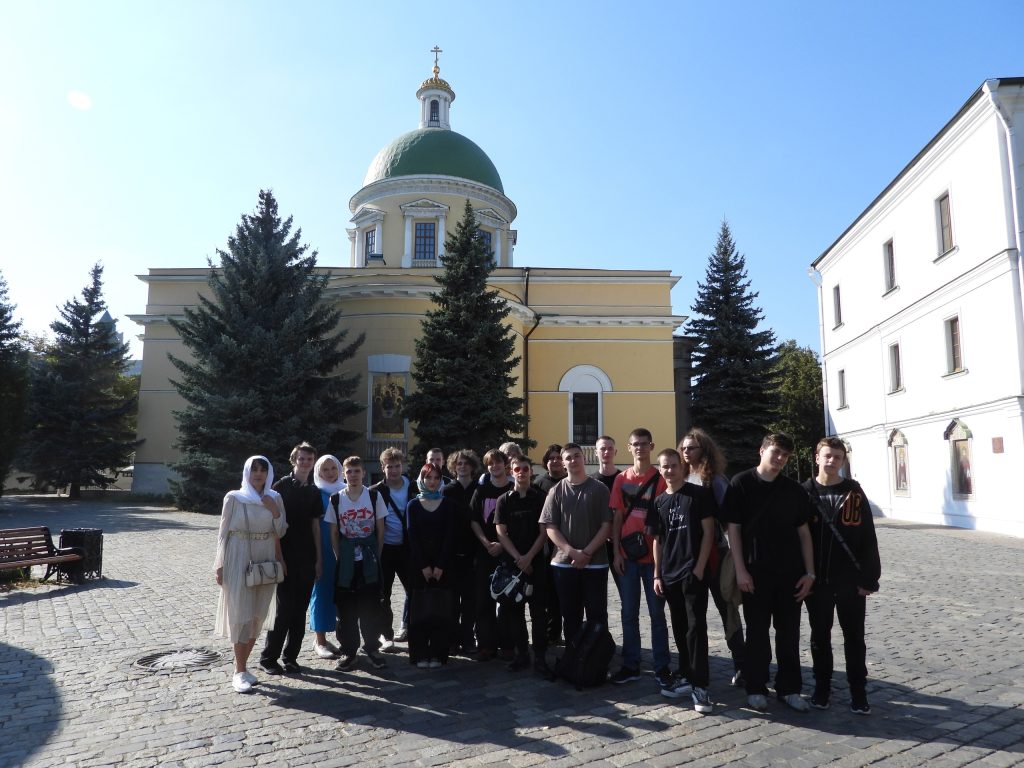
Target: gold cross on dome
435	50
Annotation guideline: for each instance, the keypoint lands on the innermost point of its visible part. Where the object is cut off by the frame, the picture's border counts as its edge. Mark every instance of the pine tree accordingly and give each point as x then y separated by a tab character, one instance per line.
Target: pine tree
731	394
13	383
464	356
265	357
799	404
79	421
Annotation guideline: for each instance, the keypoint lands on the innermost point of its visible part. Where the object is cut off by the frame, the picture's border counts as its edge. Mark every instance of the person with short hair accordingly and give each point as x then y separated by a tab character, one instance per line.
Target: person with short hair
555	468
356	518
482	506
774	559
555	472
683	527
394	490
848	567
705	466
632	500
578	520
463	466
606	473
435	456
516	518
301	550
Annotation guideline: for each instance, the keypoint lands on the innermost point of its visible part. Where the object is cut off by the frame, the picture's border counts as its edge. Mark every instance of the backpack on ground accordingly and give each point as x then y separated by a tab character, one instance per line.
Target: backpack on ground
587	656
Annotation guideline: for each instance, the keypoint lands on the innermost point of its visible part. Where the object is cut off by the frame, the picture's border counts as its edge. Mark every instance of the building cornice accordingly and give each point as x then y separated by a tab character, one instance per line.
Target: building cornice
427	185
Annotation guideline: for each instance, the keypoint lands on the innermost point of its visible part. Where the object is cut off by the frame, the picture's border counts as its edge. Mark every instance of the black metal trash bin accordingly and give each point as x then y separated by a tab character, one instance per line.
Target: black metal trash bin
90	542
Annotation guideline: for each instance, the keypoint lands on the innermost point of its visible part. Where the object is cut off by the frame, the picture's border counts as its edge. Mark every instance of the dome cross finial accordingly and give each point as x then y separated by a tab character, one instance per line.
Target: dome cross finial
436	51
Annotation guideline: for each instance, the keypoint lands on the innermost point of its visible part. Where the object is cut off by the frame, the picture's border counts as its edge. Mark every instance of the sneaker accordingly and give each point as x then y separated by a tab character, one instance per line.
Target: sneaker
859	705
701	700
346	662
387	646
240	684
325	651
758	701
796	702
249	677
678	688
271	667
402	635
422	664
664	677
519	663
737	679
434	664
292	668
542	670
625	675
376	660
820	697
483	654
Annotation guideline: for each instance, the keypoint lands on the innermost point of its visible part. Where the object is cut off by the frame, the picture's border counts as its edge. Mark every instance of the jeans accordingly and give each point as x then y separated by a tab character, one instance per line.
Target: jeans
581	590
629	592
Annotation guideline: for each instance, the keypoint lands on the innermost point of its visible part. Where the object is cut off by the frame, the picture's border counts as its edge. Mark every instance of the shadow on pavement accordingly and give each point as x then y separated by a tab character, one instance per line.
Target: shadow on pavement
21	596
112	516
31	705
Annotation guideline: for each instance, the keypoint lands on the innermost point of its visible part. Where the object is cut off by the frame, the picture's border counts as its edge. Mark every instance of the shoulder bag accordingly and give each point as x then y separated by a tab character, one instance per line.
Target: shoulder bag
262	573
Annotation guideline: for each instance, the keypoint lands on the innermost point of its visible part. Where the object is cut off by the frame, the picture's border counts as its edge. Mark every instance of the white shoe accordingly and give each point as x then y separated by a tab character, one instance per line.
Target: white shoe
434	664
239	683
796	702
422	664
758	701
386	646
249	677
401	635
324	651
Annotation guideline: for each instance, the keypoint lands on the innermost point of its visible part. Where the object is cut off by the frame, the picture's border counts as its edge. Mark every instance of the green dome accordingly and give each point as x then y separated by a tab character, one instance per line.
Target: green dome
434	152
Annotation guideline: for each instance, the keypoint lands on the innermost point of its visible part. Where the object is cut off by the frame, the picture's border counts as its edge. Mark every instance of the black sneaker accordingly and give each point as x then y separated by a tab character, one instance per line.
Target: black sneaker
376	660
664	677
820	697
271	667
292	668
625	675
859	705
346	662
737	679
542	670
520	662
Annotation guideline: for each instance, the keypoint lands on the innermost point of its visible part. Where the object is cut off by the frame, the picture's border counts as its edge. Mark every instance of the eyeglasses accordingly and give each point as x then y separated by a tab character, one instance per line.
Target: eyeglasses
519	470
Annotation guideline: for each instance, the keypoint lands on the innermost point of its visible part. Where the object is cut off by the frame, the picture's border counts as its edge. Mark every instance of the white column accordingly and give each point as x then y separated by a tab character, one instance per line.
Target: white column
351	246
378	233
498	235
440	237
360	248
407	248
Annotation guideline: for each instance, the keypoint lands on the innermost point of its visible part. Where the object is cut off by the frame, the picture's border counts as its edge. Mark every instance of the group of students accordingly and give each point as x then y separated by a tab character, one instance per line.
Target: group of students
658	526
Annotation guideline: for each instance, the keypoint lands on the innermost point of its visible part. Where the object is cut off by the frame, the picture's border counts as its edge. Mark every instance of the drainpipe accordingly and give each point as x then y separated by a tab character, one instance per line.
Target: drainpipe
816	278
991	89
526	354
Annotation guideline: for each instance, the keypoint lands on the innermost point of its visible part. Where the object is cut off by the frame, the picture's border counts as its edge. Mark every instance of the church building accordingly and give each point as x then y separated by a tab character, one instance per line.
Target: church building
596	347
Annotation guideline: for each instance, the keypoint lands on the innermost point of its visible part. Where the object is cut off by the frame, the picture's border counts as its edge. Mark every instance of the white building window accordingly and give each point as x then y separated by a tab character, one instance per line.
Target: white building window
837	306
900	463
944	222
954	352
889	265
960	471
841	383
585	386
895	369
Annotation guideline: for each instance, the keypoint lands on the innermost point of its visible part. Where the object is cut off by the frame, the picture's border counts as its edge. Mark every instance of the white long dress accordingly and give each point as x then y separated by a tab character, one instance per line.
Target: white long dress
243	612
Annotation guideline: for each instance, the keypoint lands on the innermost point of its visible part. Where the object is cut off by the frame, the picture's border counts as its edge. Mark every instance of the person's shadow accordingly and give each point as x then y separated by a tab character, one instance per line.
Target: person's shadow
30	704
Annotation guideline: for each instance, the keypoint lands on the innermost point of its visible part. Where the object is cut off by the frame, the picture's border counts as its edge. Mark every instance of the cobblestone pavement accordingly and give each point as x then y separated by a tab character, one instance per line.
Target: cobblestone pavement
945	652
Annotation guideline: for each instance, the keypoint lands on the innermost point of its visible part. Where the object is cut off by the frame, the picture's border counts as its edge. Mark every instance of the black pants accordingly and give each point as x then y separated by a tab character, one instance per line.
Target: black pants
553	606
770	603
430	632
822	606
464	595
488	638
394	561
581	591
512	618
359	611
688	606
293	595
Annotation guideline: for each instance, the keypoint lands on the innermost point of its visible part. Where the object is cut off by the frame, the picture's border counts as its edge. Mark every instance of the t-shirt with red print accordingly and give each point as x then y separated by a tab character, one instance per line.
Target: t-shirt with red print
357	519
627	484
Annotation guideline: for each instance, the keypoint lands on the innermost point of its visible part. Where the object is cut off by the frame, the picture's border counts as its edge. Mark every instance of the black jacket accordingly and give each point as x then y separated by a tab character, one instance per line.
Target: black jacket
854	522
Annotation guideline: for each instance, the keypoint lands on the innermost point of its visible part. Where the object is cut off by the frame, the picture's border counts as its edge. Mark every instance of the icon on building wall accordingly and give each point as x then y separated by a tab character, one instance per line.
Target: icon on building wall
386	405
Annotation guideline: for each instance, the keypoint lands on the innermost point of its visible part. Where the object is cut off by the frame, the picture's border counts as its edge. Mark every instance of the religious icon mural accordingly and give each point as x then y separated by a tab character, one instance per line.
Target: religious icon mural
386	419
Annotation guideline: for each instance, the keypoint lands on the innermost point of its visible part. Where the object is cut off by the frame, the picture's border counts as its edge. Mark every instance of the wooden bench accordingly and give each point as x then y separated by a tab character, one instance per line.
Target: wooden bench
25	547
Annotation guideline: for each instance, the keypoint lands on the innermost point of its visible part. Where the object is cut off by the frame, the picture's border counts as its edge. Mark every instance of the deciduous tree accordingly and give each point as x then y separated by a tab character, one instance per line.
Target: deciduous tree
798	403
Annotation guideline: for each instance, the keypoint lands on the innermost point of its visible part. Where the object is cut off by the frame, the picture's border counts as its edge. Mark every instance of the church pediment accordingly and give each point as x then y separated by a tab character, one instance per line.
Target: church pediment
424	205
490	217
367	215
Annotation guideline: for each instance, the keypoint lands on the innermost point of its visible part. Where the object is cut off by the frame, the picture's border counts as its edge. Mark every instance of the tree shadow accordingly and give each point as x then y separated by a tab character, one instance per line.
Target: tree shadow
46	591
110	516
32	704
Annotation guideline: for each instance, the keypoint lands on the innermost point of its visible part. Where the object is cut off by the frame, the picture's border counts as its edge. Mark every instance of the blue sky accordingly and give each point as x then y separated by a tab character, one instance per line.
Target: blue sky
137	133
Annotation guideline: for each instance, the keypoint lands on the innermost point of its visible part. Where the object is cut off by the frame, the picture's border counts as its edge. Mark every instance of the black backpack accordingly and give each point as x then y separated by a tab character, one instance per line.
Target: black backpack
587	656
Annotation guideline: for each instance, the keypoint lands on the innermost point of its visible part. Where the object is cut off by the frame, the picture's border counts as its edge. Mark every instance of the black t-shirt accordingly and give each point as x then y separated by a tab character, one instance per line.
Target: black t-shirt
608	480
545	483
677	526
302	504
464	542
521	515
770	512
485	499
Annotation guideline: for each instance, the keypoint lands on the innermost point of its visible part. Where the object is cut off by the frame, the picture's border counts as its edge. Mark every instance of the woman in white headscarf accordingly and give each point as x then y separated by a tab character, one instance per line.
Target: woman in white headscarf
251	525
327	474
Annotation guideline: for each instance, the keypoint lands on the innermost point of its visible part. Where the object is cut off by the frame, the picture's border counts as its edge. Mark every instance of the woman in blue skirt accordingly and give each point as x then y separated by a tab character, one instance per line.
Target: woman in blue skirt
327	475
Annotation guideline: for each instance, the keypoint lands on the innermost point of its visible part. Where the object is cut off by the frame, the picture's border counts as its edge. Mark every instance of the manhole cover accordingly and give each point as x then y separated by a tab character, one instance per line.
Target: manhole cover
179	660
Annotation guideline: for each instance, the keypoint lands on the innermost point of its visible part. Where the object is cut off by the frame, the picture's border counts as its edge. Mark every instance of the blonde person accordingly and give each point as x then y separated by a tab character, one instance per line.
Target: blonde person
251	525
323	617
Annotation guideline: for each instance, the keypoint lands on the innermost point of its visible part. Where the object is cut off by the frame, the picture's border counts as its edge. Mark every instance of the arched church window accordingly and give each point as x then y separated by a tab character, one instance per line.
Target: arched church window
585	386
961	472
900	463
435	112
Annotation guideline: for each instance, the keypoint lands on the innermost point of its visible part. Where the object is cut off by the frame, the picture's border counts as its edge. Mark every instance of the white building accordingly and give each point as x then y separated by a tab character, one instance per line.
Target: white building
922	330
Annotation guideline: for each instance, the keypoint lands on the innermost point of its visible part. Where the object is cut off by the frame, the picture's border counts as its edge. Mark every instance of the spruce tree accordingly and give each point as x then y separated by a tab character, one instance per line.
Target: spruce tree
265	357
79	421
464	356
13	383
731	393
